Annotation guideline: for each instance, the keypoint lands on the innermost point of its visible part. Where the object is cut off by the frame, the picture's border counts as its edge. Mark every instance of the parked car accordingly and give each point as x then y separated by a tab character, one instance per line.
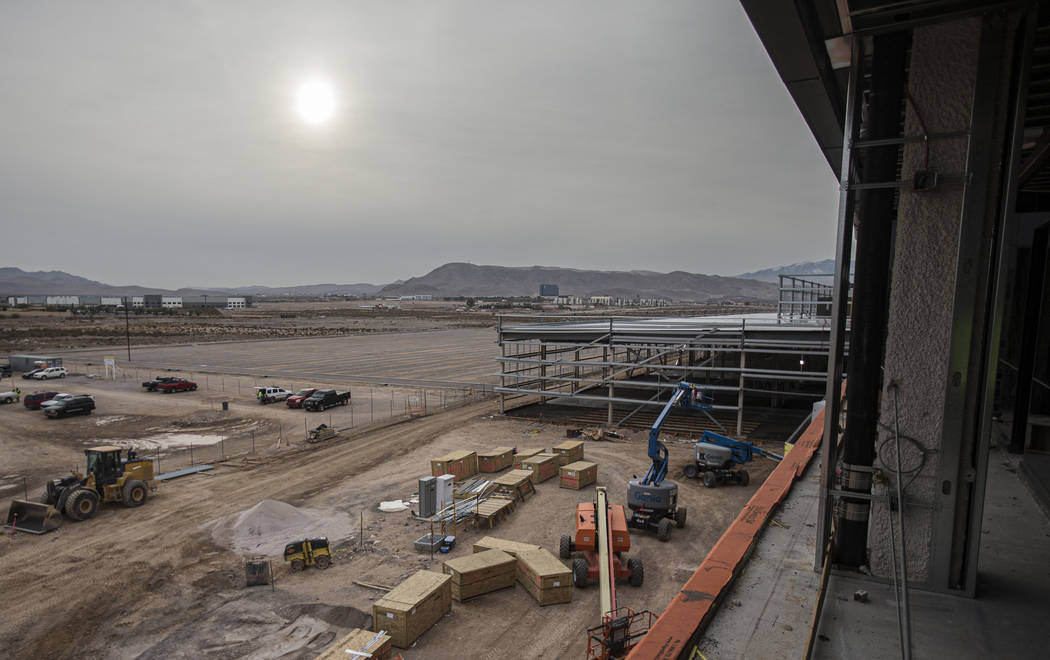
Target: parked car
34	400
266	395
51	372
177	385
324	399
29	374
151	385
10	396
296	400
74	405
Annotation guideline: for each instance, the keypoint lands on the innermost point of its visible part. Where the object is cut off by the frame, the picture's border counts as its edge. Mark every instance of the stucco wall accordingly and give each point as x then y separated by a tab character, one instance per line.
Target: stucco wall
941	82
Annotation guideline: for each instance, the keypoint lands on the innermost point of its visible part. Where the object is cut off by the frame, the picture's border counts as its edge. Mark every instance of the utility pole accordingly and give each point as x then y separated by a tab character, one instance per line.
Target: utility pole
127	327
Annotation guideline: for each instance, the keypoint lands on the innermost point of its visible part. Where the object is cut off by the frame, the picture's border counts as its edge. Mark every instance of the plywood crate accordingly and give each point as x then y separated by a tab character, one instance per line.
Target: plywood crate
460	464
413	606
512	548
357	640
579	474
569	451
495	460
545	577
524	454
515	484
542	466
481	573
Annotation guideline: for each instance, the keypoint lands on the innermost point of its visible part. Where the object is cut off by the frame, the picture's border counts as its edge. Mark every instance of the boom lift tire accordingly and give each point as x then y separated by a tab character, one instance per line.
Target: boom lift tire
637	571
745	478
679	517
565	546
579	573
134	493
710	480
82	504
691	471
663	530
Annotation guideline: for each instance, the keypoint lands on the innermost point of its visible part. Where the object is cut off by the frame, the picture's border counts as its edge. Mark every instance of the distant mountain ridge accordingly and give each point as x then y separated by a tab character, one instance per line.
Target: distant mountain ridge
801	268
465	279
15	281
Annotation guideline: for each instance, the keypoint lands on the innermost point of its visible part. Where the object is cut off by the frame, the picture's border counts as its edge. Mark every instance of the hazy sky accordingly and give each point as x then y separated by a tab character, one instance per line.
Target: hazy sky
158	143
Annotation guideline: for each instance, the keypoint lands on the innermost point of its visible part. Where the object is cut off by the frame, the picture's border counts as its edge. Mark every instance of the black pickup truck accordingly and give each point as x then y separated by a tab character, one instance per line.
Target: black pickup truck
324	399
76	404
151	385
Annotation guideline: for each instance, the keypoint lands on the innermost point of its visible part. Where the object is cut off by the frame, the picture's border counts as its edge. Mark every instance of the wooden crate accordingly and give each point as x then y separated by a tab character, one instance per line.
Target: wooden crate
516	483
493	510
481	573
569	451
460	464
542	467
579	474
357	640
547	579
523	454
495	460
413	606
512	548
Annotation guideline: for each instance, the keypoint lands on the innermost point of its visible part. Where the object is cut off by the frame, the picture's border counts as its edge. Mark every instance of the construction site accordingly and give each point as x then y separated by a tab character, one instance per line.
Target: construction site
864	473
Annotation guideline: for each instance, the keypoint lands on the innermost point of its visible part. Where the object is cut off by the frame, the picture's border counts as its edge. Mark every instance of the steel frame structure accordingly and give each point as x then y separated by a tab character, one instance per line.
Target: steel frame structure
638	362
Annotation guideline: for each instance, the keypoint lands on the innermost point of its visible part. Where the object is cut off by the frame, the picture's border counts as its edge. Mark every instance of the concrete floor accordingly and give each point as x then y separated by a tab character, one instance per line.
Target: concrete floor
769	609
459	357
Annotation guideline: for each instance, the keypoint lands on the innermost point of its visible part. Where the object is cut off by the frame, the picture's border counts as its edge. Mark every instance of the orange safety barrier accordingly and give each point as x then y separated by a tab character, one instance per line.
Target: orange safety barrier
689	611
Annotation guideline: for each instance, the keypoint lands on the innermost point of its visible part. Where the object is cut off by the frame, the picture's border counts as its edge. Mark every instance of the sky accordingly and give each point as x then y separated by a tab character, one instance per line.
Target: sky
159	143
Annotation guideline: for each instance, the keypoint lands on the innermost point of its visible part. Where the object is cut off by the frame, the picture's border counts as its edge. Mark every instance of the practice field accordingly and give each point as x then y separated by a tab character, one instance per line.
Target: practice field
459	357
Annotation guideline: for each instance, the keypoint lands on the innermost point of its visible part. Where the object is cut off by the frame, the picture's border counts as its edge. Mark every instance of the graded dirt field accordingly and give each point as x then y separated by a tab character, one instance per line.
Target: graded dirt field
151	582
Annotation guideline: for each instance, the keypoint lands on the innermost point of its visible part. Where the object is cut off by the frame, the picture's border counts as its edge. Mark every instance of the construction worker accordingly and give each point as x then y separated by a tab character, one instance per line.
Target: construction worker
262	396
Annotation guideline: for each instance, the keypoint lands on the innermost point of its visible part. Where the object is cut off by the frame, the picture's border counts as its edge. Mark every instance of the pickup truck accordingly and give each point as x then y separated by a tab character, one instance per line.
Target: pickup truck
73	405
296	400
151	385
266	395
324	399
176	385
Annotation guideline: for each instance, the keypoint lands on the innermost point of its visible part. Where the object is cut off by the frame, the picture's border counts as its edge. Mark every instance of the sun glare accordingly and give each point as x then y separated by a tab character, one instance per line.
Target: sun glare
315	102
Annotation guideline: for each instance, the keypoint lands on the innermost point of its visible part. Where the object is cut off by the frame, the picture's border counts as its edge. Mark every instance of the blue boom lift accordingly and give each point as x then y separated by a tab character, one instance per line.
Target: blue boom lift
718	457
652	500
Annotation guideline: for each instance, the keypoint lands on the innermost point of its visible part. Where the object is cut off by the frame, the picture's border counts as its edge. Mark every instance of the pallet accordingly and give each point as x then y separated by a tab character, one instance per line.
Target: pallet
493	511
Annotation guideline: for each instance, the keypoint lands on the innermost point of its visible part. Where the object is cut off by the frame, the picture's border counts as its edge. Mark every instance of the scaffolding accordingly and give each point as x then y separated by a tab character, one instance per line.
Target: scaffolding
630	366
806	298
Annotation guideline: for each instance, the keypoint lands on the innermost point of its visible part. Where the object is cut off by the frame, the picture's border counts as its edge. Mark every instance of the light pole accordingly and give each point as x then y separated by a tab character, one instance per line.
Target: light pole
127	327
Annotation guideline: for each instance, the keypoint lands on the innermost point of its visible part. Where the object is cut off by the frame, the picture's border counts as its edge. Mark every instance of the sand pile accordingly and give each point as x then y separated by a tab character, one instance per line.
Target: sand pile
265	528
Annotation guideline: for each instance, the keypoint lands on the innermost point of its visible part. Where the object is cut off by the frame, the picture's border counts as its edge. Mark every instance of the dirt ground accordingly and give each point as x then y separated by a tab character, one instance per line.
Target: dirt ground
148	582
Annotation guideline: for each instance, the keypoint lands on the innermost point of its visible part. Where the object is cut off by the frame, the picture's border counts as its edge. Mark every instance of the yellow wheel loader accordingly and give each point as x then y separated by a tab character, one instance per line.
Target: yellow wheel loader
108	478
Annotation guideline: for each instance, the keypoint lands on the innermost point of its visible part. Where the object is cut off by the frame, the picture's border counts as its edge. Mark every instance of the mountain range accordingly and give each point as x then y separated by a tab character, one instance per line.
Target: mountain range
461	279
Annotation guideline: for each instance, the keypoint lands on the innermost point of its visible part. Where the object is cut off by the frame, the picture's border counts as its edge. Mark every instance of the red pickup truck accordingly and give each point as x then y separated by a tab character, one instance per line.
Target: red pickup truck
176	385
296	400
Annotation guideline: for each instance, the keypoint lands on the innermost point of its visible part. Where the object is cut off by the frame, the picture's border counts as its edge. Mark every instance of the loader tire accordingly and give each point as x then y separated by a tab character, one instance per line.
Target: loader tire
637	572
298	565
323	562
134	493
82	504
565	547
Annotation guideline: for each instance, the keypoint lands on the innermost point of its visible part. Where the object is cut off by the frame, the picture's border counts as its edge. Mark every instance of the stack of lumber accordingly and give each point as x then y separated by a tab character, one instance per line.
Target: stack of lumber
460	464
512	548
481	573
547	579
569	451
375	645
413	606
524	454
579	474
495	460
542	467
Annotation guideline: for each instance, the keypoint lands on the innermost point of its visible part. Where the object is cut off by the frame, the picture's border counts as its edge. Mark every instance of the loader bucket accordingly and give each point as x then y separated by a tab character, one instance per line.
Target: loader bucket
32	517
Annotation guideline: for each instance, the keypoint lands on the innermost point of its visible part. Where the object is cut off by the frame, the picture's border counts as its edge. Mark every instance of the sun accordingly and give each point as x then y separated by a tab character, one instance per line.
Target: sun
315	101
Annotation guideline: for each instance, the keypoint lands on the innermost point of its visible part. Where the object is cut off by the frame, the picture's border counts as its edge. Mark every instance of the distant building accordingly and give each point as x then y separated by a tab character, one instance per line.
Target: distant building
424	296
549	290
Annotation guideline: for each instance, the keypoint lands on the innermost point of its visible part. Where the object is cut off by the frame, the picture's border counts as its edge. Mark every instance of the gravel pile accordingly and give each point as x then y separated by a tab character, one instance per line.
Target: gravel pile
268	526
